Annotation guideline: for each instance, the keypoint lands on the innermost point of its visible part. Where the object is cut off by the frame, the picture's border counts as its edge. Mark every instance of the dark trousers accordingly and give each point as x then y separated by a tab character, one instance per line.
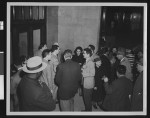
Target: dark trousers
87	96
67	105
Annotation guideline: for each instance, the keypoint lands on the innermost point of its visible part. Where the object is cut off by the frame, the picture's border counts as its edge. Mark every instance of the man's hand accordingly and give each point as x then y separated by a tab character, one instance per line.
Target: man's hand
105	79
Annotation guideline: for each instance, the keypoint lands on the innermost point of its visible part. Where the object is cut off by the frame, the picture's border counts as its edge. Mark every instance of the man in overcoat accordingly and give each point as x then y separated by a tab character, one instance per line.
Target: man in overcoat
68	78
118	93
33	94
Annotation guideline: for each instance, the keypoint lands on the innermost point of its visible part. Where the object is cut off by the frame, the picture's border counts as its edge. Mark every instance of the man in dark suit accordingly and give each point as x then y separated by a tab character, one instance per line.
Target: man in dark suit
68	78
33	94
118	93
104	70
106	65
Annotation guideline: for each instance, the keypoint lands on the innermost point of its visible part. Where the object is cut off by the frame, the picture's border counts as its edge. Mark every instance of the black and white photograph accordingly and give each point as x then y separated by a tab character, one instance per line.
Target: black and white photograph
76	58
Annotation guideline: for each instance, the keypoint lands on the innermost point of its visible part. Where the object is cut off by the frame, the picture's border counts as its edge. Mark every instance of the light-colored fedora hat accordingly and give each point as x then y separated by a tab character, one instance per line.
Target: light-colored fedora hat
34	65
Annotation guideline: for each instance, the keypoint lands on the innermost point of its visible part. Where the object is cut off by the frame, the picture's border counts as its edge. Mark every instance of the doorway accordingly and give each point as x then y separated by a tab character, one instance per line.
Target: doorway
121	26
28	30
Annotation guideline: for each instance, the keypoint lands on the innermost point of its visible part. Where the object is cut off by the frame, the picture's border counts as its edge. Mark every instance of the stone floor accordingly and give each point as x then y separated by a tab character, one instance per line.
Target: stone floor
78	104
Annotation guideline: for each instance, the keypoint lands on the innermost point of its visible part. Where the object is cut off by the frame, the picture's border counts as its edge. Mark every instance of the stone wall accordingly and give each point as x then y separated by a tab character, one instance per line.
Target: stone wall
73	26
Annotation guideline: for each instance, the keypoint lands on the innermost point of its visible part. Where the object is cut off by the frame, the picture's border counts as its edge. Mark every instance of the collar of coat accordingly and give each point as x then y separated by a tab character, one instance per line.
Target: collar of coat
68	60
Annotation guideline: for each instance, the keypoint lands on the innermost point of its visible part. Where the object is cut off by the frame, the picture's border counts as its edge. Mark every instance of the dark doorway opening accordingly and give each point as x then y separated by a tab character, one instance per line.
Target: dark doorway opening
121	26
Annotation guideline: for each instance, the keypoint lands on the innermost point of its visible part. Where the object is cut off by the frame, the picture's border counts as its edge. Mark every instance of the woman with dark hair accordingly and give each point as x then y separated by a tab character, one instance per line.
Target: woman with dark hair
78	56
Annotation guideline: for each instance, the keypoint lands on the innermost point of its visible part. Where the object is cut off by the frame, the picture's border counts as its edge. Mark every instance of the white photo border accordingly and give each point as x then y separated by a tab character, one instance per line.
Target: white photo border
9	4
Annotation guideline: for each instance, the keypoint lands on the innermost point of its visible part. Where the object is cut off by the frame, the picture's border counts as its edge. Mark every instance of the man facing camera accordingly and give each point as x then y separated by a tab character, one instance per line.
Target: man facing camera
68	78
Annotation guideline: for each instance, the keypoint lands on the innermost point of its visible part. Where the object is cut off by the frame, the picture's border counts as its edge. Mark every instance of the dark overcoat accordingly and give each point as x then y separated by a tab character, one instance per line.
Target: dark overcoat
68	79
137	97
34	96
117	95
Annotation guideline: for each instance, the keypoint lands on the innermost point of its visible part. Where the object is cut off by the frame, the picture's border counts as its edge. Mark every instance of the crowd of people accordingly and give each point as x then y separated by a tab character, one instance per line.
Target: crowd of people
111	79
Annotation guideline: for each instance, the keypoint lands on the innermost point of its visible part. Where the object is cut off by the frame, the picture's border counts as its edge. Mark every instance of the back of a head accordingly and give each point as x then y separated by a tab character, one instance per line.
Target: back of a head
54	47
13	69
97	59
67	54
45	52
20	61
121	69
92	47
41	45
105	50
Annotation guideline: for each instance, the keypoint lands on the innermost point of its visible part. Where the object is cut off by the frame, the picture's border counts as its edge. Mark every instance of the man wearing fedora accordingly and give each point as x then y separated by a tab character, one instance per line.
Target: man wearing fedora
33	94
68	78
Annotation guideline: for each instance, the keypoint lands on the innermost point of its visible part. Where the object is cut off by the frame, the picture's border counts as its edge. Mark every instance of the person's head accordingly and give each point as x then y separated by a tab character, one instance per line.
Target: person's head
98	62
105	50
55	49
92	47
140	64
23	60
87	53
78	50
67	54
13	69
34	67
46	54
121	53
20	62
140	54
42	46
121	70
114	50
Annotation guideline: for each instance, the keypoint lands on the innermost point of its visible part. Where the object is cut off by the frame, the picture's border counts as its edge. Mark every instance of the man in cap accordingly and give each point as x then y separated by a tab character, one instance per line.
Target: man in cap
68	78
94	55
33	95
